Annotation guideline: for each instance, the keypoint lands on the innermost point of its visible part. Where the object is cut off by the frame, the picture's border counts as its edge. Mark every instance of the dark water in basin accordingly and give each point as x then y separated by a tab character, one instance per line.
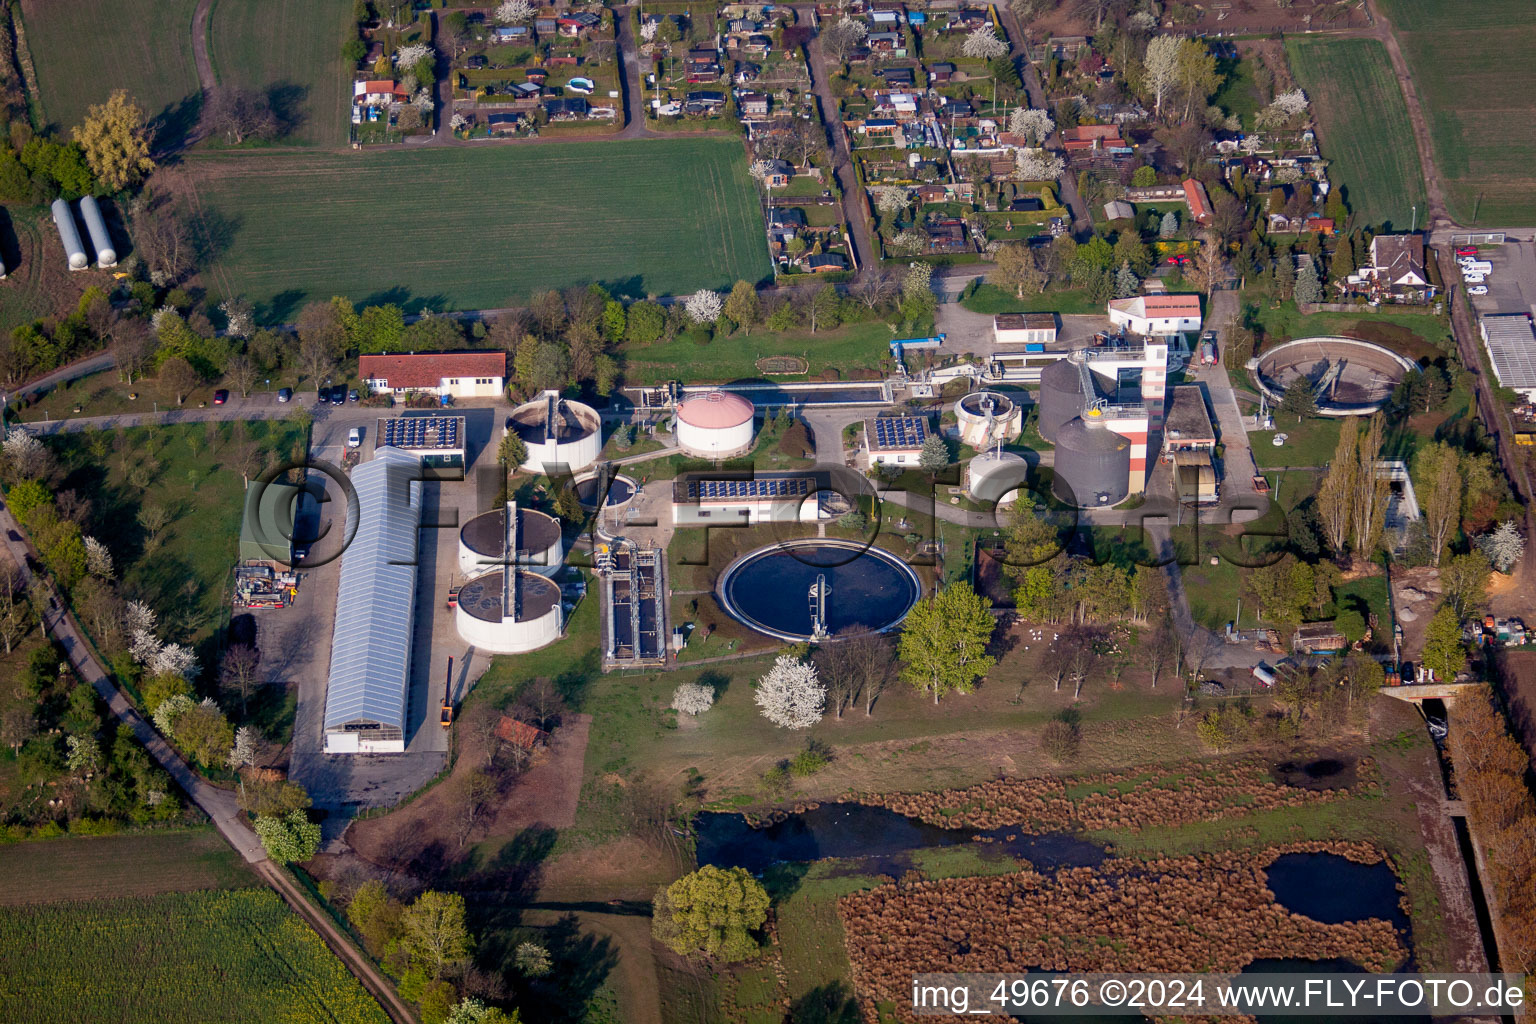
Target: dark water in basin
1331	889
858	830
868	590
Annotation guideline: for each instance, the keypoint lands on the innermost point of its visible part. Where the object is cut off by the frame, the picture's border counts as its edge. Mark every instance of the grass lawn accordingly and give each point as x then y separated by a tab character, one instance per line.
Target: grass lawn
185	469
857	346
1309	443
1414	335
239	955
989	298
84	49
1363	127
97	867
291	51
1238	94
475	228
1472	69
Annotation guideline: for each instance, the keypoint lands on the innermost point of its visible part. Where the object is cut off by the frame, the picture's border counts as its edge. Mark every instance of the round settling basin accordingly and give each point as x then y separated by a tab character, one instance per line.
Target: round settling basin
620	490
869	589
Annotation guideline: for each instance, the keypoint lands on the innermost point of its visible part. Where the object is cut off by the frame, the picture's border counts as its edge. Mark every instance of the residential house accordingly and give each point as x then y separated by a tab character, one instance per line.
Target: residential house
784	223
746	74
499	123
702	66
753	104
1280	224
1198	201
380	92
1397	269
757	45
932	194
946	235
1156	314
1094	138
774	173
704	102
886	44
573	109
825	263
941	73
456	374
574	25
898	78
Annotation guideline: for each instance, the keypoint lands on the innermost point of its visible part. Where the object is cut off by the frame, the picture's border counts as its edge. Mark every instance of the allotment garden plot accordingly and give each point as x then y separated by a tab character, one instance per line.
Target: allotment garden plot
476	228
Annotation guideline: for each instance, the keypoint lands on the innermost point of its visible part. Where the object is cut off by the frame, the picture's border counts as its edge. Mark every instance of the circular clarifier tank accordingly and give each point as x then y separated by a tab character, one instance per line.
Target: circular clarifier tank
770	589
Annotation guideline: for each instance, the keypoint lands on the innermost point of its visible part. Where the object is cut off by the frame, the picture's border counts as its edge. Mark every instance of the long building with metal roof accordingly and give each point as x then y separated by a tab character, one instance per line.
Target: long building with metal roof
1511	346
369	687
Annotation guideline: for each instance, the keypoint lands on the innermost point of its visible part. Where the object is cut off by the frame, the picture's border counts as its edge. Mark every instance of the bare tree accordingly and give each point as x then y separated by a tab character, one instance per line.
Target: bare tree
875	288
315	357
17	726
15	618
154	519
542	702
177	377
165	240
240	373
242	115
132	347
1083	655
475	794
237	673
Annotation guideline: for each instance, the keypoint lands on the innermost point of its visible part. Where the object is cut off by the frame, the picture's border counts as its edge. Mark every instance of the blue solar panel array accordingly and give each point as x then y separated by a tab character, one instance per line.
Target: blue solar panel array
771	487
423	432
900	432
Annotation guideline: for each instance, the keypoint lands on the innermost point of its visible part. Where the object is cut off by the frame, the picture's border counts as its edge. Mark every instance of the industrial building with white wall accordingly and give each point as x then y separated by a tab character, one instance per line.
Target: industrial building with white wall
714	424
446	374
1116	390
1157	314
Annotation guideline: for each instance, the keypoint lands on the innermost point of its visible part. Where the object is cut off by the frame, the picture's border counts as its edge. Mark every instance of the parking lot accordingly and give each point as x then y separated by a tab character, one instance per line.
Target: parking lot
1512	284
299	637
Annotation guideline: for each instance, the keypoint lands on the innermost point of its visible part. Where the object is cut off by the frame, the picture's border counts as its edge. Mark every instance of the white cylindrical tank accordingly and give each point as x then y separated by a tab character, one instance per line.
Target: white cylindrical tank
101	241
996	476
69	234
539	544
484	621
561	435
714	424
987	417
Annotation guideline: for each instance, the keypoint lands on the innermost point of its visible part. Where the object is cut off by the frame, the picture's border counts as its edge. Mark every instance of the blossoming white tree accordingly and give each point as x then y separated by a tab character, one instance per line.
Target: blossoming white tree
983	44
693	698
407	57
24	453
648	30
1033	125
98	560
244	750
890	199
84	754
790	694
704	306
1039	165
1504	546
514	12
170	709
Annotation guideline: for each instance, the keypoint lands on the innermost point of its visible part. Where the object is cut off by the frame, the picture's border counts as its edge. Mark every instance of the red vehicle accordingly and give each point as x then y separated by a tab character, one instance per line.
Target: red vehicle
220	397
1466	250
1179	260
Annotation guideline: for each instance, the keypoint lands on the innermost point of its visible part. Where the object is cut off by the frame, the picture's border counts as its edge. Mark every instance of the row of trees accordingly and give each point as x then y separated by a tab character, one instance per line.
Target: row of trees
108	152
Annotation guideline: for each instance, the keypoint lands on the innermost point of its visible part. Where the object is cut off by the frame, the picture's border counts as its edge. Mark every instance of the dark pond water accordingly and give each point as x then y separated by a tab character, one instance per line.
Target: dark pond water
861	831
1331	889
869	589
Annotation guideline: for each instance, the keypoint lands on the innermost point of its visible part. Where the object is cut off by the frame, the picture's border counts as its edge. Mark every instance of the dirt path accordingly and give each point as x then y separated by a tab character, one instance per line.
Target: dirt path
339	944
865	253
205	76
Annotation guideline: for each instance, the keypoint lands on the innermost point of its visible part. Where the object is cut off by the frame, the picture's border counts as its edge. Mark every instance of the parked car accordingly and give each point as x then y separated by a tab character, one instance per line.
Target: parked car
338	395
352	395
355	437
1466	250
1478	289
1474	278
220	396
285	394
322	395
1178	260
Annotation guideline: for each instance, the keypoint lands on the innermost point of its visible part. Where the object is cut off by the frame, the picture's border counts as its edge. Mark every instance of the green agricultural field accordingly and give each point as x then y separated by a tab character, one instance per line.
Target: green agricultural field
1363	127
84	49
1473	71
475	228
100	867
202	956
291	52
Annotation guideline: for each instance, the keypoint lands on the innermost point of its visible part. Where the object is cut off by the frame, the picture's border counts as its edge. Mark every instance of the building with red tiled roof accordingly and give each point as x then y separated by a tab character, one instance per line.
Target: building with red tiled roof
520	734
1092	136
1156	314
378	92
1198	201
457	374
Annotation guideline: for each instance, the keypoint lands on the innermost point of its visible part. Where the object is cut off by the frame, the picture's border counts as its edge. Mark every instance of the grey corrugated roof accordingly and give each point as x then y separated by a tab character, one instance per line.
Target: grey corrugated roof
376	598
1511	349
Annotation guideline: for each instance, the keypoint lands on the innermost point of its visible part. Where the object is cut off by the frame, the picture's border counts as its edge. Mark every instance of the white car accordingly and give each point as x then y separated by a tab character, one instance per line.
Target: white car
355	437
1478	289
1474	278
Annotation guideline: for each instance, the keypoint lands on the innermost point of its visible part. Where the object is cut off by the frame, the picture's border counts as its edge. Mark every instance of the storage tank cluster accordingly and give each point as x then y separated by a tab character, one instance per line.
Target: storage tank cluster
510	605
986	418
714	424
561	435
69	234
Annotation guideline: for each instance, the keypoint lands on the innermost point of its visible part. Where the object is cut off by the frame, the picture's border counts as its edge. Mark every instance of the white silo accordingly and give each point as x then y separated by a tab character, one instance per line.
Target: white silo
714	424
101	241
561	435
996	476
69	234
987	417
509	615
